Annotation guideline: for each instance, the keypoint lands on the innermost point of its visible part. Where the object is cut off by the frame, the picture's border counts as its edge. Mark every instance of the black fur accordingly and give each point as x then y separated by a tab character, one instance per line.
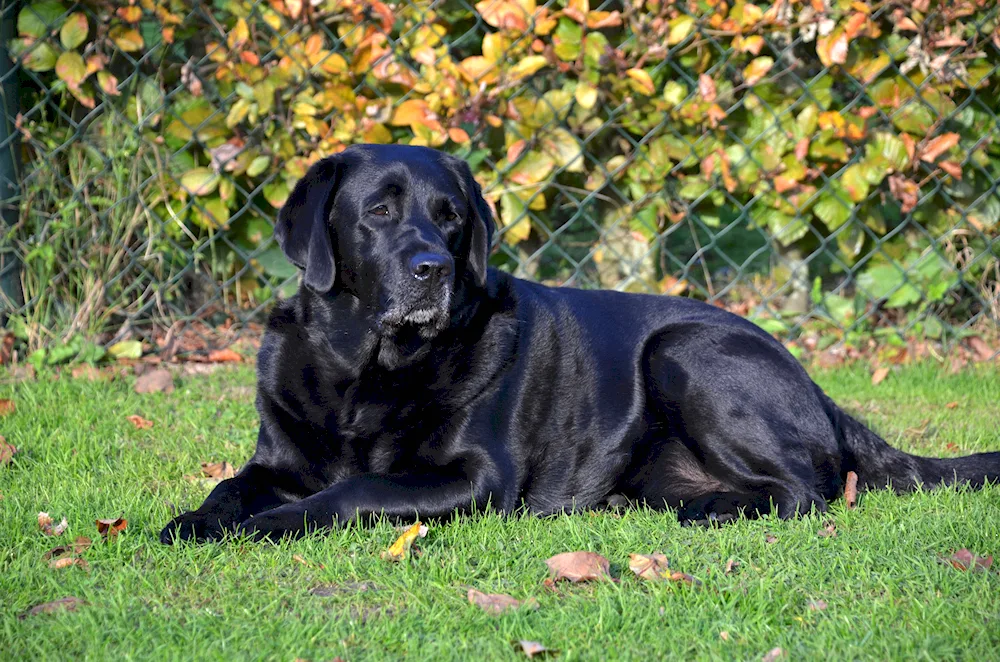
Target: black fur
387	389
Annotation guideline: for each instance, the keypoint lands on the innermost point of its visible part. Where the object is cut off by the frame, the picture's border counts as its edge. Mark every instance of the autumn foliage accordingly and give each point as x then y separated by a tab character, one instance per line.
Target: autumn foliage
859	133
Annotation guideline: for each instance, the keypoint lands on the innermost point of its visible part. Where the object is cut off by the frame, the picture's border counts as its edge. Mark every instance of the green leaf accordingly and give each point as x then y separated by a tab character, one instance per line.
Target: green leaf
833	207
890	147
879	281
568	40
213	213
38	56
71	69
200	181
564	149
74	30
513	215
855	184
276	264
39	18
680	27
276	193
258	165
914	118
126	349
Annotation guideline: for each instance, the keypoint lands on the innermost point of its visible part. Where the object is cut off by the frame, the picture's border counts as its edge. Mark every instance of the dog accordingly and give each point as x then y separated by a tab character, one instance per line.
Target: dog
408	379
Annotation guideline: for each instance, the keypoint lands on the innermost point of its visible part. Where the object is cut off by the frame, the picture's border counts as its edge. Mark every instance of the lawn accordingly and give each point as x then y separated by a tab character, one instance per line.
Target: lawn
876	590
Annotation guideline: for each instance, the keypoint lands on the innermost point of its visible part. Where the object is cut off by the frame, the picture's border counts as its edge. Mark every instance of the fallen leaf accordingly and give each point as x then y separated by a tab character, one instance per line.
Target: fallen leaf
770	539
851	489
655	567
309	564
965	560
66	562
88	372
773	655
951	447
817	605
68	604
578	566
724	635
401	548
533	648
45	524
111	527
731	565
879	375
81	544
951	405
224	356
983	351
139	422
829	530
155	381
497	603
220	470
7	451
7	407
6	348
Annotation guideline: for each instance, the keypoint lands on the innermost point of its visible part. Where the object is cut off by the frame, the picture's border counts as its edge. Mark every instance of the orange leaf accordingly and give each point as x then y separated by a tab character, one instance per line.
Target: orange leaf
802	149
851	489
879	375
578	566
832	49
7	451
938	146
139	422
111	527
952	168
7	407
224	356
458	135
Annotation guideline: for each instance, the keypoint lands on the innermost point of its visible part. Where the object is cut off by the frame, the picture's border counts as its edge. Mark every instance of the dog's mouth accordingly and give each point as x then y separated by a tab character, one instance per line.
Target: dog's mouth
425	321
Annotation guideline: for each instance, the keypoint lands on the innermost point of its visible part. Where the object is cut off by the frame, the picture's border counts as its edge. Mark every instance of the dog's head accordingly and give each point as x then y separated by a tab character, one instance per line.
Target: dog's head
401	228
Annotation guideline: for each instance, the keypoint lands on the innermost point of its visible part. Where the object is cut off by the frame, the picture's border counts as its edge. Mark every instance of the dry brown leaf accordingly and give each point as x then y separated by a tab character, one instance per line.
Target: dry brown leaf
45	524
851	489
155	381
829	530
951	405
111	527
952	168
139	422
965	560
533	648
770	539
81	544
219	470
879	375
731	565
817	605
62	604
938	146
497	603
773	654
400	549
7	407
6	348
578	566
224	356
88	372
7	451
983	351
655	567
67	562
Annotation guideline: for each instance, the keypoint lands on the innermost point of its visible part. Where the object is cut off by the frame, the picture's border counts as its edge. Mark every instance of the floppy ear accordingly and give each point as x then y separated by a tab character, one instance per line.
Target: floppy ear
482	223
302	230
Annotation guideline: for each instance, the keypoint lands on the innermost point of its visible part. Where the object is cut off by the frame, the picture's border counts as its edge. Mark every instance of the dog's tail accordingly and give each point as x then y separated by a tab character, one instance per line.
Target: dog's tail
879	465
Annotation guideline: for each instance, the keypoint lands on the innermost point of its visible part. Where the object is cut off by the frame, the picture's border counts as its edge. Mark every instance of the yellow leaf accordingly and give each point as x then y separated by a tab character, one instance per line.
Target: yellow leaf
409	113
238	35
478	69
401	548
586	95
680	28
494	46
757	69
507	14
127	39
643	81
528	66
513	215
832	49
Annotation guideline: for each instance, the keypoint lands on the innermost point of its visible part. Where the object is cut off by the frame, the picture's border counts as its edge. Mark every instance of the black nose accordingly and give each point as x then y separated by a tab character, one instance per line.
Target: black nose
425	266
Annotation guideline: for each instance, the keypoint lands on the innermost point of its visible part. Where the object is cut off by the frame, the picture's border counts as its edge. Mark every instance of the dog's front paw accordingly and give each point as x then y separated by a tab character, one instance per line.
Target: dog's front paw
193	526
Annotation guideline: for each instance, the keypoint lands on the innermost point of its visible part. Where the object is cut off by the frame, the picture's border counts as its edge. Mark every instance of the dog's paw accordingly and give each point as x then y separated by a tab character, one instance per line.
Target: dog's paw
192	526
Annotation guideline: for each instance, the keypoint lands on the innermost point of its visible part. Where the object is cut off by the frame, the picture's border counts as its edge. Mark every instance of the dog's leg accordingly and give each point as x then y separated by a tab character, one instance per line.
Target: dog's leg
399	497
232	501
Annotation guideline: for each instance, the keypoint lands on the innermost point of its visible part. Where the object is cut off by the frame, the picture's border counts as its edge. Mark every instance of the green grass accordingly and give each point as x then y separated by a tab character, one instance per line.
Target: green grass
888	596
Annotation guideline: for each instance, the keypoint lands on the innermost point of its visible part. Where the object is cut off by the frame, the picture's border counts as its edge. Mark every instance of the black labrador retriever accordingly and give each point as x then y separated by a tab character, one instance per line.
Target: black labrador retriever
408	379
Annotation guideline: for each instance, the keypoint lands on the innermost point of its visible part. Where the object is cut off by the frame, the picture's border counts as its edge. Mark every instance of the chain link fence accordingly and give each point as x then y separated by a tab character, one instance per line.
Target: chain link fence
827	168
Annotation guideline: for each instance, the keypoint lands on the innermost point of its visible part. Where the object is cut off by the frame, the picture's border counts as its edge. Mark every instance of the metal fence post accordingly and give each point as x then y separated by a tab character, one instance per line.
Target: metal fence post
11	296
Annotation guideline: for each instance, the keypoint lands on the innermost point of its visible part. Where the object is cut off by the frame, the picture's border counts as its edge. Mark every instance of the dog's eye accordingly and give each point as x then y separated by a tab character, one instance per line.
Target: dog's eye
381	210
450	216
